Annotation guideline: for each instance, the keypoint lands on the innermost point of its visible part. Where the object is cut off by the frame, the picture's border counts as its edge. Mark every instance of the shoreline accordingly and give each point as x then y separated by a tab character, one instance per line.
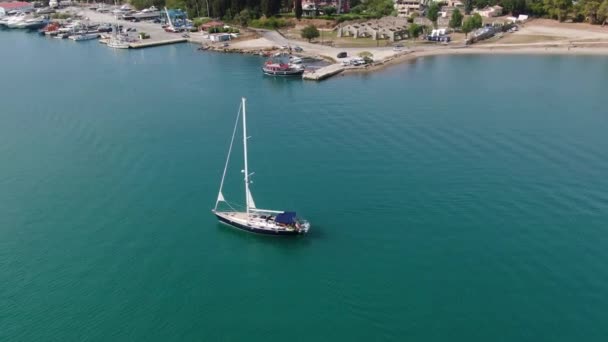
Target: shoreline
479	50
536	37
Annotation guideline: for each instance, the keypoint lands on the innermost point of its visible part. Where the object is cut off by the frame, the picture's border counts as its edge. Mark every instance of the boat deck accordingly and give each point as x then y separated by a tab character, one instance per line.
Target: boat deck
255	220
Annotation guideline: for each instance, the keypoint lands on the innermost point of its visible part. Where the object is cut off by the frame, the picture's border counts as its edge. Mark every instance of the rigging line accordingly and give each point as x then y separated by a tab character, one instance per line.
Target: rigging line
229	152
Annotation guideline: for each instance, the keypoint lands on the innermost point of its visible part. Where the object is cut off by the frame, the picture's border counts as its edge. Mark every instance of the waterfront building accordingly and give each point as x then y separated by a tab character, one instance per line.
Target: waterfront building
18	6
393	29
405	8
220	37
211	24
312	8
490	11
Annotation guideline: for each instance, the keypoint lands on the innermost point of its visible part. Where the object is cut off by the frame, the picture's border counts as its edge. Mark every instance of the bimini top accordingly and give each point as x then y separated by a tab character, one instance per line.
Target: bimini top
288	217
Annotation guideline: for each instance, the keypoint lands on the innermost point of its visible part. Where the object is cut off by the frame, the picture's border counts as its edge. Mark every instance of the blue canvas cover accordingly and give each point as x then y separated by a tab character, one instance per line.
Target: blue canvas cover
288	217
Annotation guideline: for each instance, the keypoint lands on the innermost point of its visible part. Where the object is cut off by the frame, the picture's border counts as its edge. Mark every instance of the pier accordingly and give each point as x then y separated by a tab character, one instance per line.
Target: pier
151	43
323	73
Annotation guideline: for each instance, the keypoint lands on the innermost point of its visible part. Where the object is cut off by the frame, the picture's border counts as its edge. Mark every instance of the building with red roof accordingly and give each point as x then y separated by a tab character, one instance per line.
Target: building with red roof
211	24
6	7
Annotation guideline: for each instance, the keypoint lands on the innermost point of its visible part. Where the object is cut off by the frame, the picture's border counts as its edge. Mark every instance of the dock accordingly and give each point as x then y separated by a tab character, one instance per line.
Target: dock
145	44
323	73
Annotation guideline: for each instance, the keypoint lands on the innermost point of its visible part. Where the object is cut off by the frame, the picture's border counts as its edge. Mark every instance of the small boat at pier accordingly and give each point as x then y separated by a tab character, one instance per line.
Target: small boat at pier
15	20
32	23
295	60
273	68
254	220
118	42
80	36
49	29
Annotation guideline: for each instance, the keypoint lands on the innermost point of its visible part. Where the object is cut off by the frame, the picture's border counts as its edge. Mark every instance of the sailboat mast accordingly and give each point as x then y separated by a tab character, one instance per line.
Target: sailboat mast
246	171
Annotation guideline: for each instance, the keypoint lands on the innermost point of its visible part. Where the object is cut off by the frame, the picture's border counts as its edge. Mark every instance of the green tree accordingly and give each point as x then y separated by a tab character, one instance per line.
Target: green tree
536	8
476	21
468	6
310	32
414	30
298	9
141	4
243	17
558	9
591	9
270	7
456	19
468	25
433	13
328	10
374	8
602	13
519	7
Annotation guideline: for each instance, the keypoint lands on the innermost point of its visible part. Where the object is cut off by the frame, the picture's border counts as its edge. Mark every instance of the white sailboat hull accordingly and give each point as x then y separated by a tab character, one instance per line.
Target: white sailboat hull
260	224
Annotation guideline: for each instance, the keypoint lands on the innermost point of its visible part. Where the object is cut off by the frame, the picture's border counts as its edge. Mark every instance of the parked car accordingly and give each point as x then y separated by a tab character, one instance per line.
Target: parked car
342	55
298	49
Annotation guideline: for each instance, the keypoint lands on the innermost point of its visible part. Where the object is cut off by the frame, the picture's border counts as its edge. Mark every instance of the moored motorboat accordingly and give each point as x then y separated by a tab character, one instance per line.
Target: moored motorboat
50	28
61	35
15	21
117	42
260	221
84	36
295	60
148	13
32	23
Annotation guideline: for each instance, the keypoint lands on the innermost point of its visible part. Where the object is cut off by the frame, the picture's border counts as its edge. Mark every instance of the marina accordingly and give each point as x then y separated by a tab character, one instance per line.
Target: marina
96	22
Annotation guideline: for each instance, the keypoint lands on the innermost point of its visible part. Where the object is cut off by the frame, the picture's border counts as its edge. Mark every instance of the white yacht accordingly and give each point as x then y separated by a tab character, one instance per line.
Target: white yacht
14	21
148	13
84	36
32	23
117	41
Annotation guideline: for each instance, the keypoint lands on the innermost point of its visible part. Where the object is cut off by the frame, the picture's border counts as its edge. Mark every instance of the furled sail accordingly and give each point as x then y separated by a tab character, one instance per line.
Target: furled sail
250	202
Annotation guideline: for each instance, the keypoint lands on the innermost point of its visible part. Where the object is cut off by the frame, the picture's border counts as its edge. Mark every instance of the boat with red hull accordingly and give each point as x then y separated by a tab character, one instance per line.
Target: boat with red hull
272	68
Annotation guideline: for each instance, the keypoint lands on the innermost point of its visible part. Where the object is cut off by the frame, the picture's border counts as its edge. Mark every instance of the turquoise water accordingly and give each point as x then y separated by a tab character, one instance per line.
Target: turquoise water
452	198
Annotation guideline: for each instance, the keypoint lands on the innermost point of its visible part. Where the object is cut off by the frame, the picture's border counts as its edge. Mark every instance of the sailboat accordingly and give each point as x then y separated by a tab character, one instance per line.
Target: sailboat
261	221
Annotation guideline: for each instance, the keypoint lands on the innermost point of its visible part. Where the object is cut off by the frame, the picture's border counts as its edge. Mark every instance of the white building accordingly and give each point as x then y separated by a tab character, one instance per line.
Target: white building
405	8
489	12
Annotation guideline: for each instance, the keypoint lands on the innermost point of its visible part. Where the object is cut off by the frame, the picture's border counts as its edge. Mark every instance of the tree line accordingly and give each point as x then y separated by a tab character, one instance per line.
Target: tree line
591	11
225	9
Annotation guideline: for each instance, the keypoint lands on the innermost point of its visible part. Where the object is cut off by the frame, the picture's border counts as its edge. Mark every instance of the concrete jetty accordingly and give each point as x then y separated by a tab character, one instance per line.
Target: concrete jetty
323	73
150	43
